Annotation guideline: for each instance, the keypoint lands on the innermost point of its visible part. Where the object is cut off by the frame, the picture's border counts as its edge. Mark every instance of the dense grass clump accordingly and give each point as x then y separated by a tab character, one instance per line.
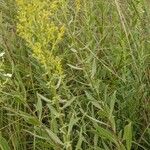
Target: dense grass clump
74	75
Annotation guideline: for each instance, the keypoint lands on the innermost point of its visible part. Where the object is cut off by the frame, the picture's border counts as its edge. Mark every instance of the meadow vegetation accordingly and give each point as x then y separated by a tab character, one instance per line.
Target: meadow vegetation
74	75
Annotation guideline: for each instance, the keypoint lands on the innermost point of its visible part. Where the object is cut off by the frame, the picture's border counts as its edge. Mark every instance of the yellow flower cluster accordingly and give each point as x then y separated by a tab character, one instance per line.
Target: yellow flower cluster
78	5
51	63
37	26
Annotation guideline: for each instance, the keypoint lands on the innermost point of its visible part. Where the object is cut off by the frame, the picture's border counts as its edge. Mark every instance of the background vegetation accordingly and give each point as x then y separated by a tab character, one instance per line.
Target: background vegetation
74	75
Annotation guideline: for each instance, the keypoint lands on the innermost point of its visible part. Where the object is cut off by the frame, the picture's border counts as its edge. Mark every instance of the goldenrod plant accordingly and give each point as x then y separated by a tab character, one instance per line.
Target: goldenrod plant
74	75
78	5
36	25
37	28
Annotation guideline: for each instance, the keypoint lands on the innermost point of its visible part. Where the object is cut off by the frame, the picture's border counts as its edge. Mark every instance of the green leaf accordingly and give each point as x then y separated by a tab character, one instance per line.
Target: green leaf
112	103
54	111
53	136
105	146
94	68
75	67
89	96
44	98
32	120
107	134
68	103
3	144
37	136
96	104
128	136
72	122
39	107
113	123
80	140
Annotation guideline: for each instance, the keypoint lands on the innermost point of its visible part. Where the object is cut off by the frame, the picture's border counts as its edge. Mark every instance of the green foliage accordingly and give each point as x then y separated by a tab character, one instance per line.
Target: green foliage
3	144
74	75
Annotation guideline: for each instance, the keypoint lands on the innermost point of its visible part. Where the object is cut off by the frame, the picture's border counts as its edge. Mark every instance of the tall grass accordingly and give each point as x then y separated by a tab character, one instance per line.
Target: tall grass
101	101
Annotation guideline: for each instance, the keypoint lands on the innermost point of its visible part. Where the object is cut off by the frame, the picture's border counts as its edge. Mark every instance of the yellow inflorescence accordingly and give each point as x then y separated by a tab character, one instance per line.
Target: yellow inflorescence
78	5
36	26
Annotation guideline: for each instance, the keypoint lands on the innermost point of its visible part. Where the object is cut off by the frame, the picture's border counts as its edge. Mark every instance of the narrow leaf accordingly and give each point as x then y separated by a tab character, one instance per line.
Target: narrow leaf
53	136
3	144
74	67
128	136
112	103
